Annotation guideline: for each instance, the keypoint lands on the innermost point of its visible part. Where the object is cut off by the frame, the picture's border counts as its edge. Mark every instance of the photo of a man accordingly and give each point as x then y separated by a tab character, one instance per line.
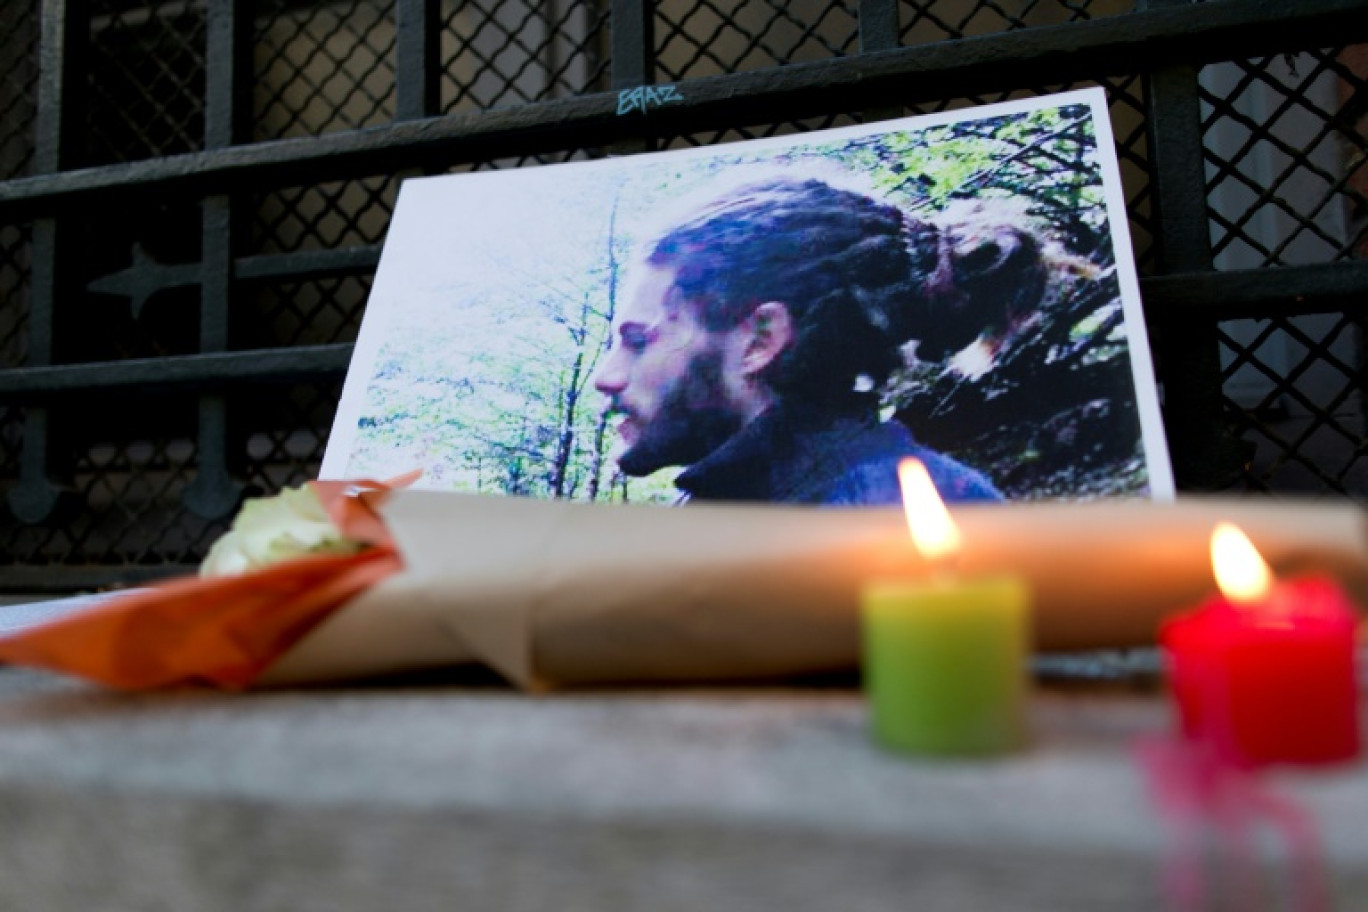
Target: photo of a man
776	320
752	342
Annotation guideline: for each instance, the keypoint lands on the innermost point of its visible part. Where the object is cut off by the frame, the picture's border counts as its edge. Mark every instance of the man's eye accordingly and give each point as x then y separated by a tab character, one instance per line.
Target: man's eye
635	341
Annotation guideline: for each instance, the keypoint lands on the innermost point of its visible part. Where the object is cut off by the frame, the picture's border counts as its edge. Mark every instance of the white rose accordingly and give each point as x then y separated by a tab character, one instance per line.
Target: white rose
269	530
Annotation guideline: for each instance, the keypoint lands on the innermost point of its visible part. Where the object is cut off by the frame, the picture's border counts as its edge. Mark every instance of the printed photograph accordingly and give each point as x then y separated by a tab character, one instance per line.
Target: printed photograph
778	320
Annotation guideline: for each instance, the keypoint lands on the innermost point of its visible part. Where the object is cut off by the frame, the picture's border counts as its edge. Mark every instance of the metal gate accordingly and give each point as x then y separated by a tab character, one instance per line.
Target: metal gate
193	194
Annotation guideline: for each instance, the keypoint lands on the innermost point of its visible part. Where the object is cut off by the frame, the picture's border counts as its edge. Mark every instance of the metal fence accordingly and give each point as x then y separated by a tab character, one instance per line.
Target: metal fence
193	194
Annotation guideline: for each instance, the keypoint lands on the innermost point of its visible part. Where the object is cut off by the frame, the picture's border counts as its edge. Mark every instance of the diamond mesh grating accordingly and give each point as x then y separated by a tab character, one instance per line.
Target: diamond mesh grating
1129	124
925	21
497	53
128	485
282	443
1306	419
18	87
14	272
315	312
708	39
323	67
1288	185
146	80
323	216
1287	159
132	491
11	438
127	512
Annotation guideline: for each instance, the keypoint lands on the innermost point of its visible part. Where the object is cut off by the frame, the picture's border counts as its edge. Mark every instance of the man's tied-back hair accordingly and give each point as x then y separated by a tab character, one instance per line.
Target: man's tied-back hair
858	276
837	260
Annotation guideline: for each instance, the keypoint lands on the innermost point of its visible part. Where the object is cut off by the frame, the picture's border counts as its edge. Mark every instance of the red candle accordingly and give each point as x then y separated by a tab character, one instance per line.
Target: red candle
1264	672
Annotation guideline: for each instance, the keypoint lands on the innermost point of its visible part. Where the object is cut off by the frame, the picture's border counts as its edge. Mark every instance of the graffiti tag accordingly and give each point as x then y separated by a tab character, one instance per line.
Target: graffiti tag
643	97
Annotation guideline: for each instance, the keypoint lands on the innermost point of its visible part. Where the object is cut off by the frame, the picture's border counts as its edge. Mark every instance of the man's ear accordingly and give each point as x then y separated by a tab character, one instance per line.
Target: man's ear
770	330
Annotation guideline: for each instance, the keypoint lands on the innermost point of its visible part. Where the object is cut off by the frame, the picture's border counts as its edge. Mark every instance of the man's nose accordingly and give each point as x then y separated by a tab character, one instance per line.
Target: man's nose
610	378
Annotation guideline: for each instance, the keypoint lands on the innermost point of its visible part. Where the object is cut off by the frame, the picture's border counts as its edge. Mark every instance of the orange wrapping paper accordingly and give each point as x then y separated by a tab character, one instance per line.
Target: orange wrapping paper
224	630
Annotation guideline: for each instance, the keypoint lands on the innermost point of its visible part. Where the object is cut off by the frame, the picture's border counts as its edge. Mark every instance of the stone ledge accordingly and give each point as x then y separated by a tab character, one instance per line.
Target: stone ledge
438	797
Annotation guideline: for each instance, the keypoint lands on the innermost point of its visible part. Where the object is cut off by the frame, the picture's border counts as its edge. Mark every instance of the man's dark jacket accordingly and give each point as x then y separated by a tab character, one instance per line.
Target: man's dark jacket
787	456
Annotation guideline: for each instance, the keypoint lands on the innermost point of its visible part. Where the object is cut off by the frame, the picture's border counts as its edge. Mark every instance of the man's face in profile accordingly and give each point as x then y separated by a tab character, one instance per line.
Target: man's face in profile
665	379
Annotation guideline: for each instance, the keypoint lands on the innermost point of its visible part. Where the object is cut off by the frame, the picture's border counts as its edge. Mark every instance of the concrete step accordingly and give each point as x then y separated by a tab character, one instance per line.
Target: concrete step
453	795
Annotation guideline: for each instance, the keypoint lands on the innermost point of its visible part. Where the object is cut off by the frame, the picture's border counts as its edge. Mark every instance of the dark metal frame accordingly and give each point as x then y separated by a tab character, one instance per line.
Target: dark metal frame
1168	40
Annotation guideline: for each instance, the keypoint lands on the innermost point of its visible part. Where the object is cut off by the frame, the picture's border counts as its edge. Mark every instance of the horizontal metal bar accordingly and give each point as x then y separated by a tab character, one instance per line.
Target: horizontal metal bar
1256	293
208	371
1216	30
308	263
66	579
145	277
148	14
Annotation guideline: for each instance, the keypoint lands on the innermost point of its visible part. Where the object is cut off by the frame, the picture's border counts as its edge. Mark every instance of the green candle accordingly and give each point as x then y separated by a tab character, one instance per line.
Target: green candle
945	664
945	657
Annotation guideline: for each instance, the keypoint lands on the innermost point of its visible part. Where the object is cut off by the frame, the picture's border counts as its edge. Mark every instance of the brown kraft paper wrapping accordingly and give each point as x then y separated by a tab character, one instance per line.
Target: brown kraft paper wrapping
552	593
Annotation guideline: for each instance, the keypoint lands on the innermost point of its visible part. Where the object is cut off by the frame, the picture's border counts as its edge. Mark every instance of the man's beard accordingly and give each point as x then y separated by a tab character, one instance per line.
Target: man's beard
694	418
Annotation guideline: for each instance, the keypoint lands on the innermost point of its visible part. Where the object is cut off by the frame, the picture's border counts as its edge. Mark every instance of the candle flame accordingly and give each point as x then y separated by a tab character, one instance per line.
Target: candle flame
1241	573
933	531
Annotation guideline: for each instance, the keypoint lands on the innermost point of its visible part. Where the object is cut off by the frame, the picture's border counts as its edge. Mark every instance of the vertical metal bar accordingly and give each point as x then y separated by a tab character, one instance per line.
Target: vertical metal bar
228	68
879	32
633	43
1179	181
878	25
44	289
214	493
632	63
63	36
417	68
62	41
1205	456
